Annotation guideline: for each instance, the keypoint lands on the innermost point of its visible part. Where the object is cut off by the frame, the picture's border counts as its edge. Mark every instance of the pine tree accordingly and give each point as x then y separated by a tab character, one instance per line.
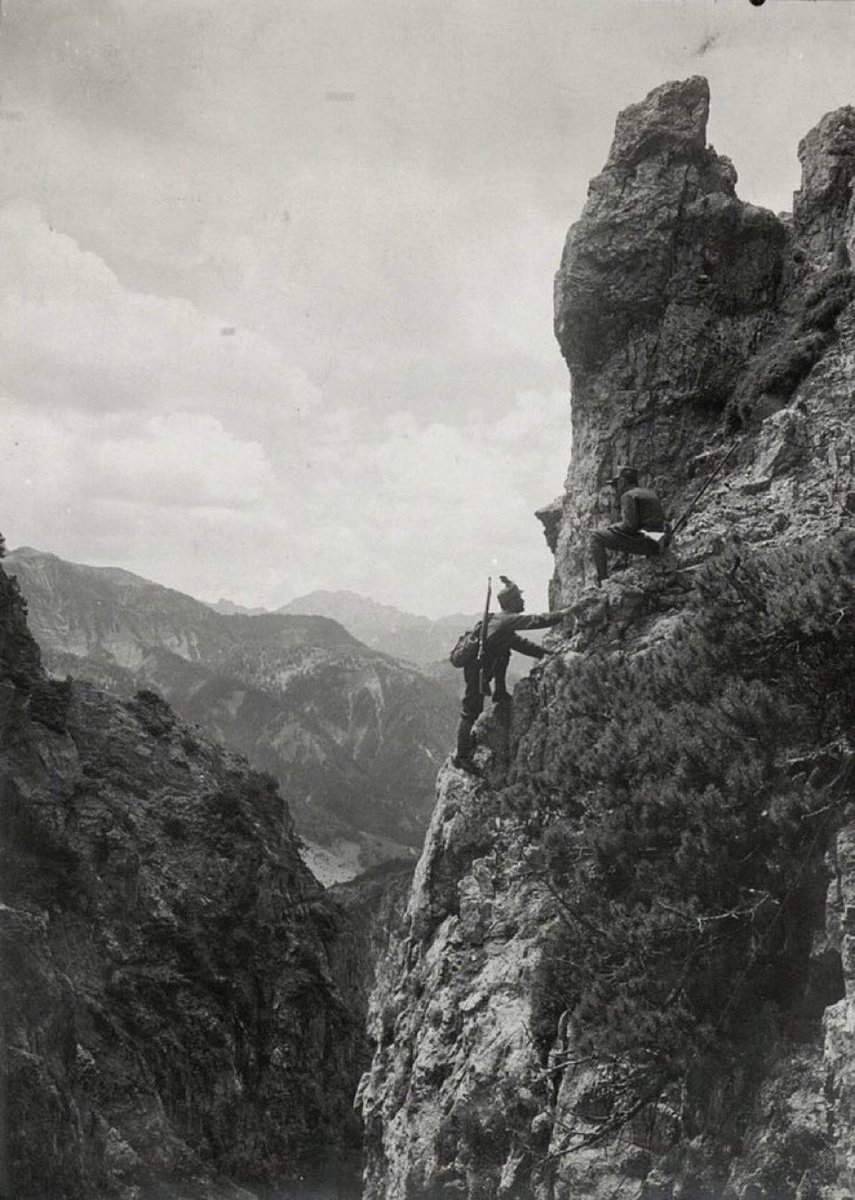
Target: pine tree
681	842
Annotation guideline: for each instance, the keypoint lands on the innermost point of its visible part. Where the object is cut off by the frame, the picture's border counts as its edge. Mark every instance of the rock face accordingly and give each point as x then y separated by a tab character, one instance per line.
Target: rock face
624	969
170	1007
374	903
353	737
677	304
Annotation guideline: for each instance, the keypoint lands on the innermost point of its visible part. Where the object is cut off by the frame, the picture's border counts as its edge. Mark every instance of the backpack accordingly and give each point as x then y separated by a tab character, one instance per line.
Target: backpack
466	648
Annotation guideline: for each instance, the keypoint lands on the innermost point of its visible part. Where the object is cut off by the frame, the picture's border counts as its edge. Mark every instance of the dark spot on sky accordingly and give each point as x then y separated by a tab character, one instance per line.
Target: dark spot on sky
709	43
228	331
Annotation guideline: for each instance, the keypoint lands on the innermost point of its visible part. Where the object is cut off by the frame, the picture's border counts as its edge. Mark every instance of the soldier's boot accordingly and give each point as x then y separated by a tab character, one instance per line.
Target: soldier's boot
463	760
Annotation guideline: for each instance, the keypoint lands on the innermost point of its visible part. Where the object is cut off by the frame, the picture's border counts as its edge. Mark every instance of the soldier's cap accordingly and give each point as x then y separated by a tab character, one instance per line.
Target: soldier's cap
624	474
510	589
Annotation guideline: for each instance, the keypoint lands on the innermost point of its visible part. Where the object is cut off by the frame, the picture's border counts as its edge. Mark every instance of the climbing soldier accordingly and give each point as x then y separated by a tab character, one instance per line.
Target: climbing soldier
502	636
642	527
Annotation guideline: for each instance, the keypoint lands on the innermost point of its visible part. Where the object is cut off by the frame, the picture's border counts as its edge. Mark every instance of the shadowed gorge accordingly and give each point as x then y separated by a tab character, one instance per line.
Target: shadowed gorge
176	995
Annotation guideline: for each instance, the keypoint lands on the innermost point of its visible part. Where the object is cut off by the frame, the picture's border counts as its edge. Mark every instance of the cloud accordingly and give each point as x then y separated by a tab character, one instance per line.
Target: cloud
424	510
73	336
176	460
179	461
391	406
140	435
413	512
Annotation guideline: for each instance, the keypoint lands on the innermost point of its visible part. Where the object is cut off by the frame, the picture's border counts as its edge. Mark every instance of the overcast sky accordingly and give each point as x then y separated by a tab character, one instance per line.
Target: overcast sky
276	275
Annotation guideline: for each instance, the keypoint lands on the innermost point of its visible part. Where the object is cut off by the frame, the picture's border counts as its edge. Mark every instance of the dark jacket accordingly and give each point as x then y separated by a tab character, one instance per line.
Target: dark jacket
503	636
640	508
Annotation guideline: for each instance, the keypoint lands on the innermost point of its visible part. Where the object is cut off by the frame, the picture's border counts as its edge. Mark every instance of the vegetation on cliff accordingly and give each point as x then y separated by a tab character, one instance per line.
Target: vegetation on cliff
687	816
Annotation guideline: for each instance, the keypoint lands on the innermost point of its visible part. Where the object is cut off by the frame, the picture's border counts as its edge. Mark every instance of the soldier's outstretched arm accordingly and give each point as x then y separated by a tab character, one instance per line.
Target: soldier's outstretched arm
535	620
524	646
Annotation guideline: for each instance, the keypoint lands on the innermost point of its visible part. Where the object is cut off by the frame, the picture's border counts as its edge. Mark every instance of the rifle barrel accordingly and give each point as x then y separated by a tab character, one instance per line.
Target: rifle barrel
482	654
692	503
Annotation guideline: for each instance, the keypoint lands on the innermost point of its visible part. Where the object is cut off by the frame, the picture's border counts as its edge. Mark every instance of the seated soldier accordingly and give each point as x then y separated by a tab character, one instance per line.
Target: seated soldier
502	637
641	529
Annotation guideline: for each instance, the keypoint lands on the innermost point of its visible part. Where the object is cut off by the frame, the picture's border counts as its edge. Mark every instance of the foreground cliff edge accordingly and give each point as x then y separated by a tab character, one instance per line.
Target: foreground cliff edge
179	1003
625	968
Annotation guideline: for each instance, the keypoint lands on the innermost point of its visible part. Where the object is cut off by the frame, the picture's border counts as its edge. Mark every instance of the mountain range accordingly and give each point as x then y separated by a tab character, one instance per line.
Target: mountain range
421	640
382	627
417	639
353	736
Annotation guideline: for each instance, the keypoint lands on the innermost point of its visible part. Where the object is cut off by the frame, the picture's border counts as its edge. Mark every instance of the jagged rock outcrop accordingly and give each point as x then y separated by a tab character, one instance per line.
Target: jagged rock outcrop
677	303
624	970
173	1019
353	736
454	1087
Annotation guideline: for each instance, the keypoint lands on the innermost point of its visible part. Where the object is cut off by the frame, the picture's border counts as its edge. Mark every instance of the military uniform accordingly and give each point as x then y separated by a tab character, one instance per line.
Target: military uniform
640	511
502	637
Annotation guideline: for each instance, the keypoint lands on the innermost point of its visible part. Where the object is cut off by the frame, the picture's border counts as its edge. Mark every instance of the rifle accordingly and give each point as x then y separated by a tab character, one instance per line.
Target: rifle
482	651
687	512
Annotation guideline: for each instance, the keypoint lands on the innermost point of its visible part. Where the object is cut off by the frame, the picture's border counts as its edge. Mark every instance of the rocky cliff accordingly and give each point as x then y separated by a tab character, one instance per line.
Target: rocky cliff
374	902
625	966
353	737
174	1014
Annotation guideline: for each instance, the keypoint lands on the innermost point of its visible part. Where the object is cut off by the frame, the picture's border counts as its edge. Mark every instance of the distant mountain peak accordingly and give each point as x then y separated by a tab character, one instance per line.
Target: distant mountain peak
418	639
30	552
344	596
231	609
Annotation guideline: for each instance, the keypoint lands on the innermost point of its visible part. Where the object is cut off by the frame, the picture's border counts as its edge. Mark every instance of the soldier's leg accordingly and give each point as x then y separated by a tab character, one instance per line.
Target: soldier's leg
641	545
464	735
599	541
500	688
470	710
621	543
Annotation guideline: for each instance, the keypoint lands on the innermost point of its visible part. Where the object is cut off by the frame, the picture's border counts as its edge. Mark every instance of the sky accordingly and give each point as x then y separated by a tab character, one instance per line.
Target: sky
276	276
